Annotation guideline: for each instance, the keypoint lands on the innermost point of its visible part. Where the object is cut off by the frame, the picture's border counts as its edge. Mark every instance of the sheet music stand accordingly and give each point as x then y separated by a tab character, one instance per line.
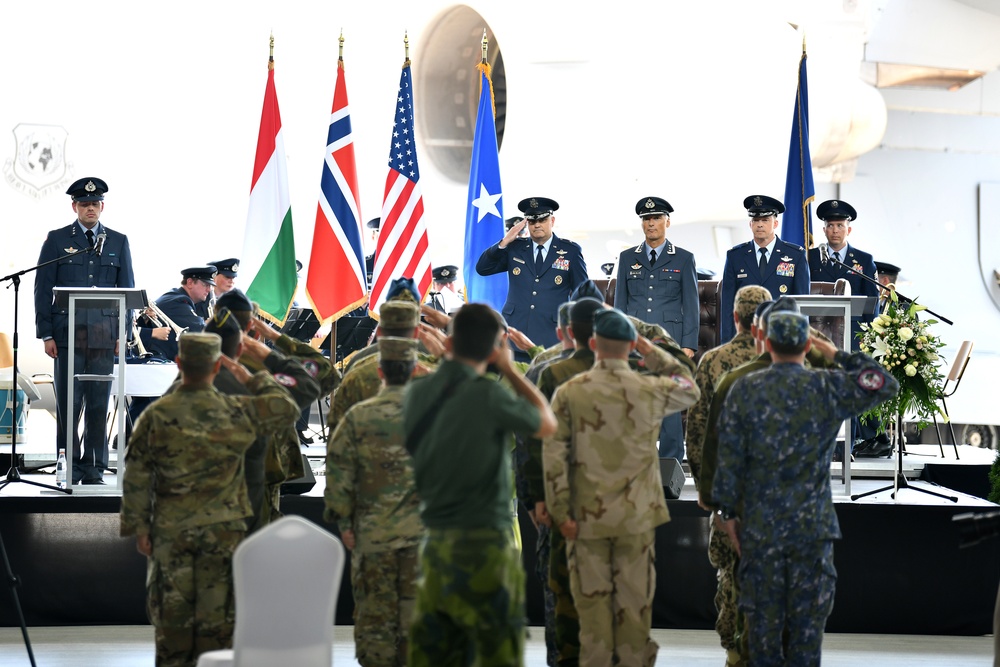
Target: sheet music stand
843	306
71	298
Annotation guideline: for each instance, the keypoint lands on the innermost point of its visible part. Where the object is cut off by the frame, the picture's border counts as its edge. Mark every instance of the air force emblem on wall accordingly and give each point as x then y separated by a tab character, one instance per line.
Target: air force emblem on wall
38	168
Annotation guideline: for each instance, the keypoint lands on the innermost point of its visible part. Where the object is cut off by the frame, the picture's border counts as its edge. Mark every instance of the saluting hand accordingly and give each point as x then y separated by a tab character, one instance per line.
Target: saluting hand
435	317
432	338
521	341
512	233
241	374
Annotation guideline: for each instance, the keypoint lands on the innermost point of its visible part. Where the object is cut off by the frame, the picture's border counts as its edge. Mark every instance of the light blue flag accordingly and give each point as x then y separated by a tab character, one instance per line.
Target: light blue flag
796	224
484	213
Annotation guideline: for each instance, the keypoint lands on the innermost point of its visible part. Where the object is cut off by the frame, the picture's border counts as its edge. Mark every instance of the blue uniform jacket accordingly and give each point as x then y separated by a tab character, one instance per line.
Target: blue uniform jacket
113	268
830	273
180	308
533	302
787	273
665	293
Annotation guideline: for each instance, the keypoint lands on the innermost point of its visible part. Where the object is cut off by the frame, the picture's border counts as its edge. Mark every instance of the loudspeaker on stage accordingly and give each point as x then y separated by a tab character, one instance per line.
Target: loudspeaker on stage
673	478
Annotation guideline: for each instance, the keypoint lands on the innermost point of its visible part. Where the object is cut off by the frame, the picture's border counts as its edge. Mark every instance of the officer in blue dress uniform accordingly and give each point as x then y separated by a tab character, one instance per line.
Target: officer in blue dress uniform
542	271
179	305
781	267
657	283
225	280
837	217
96	256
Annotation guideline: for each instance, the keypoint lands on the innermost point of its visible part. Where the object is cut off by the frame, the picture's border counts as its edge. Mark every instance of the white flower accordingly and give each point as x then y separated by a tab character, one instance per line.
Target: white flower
877	327
905	333
880	348
910	370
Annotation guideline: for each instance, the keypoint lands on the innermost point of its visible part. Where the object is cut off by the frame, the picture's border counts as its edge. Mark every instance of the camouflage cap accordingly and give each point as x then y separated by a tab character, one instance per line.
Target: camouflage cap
788	328
199	347
399	315
748	298
614	324
392	348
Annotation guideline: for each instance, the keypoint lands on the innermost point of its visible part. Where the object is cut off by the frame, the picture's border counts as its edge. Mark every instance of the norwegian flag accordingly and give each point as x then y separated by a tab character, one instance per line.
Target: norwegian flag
402	242
337	283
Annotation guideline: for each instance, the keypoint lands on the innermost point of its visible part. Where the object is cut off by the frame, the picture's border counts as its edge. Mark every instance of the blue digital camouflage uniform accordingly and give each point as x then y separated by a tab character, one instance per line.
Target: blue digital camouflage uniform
777	432
184	487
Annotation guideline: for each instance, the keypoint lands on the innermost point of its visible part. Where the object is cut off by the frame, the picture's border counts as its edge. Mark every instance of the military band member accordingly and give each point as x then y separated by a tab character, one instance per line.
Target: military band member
782	268
603	488
657	283
445	297
371	494
542	271
225	280
95	256
179	305
185	496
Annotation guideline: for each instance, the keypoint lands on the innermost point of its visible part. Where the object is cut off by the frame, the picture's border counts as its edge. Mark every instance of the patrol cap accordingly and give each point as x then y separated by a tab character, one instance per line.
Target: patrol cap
584	309
203	273
511	221
445	274
835	209
787	328
888	269
653	206
399	314
373	223
392	348
537	208
761	205
748	298
224	324
612	323
199	347
585	289
227	267
87	189
403	289
235	300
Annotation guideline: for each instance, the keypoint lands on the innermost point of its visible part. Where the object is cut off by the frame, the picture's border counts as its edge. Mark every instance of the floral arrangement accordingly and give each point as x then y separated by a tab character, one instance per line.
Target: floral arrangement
904	346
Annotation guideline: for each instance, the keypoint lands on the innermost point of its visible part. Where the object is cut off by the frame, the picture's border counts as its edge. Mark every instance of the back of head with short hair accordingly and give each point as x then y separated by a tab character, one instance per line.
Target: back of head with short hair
474	331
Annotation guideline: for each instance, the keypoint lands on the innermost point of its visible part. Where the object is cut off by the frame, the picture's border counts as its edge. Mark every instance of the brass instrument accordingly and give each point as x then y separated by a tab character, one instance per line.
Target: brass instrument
160	318
136	342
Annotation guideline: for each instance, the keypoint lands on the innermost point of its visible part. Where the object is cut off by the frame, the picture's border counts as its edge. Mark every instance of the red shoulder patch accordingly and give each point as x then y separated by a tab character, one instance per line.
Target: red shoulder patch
871	380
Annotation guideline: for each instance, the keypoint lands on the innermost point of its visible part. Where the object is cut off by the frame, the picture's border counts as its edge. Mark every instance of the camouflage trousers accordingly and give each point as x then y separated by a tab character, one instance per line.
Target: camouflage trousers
542	555
787	594
566	619
470	600
730	623
189	592
384	585
613	581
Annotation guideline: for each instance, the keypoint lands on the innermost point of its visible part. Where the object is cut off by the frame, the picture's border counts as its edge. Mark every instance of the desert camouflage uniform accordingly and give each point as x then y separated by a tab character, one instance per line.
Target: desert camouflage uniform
370	491
602	469
184	486
776	435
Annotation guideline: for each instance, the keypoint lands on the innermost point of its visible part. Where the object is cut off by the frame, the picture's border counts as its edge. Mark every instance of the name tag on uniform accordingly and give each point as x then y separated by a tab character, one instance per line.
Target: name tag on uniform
635	274
518	260
741	275
561	264
785	269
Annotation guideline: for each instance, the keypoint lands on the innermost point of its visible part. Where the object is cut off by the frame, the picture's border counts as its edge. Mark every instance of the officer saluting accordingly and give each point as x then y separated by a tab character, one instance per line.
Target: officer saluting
782	268
542	270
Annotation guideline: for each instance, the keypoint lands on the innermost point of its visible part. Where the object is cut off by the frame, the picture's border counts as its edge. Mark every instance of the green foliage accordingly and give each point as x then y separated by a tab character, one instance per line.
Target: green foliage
994	496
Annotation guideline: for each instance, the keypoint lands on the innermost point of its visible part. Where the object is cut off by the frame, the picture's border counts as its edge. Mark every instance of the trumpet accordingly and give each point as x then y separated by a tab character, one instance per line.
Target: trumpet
136	342
160	318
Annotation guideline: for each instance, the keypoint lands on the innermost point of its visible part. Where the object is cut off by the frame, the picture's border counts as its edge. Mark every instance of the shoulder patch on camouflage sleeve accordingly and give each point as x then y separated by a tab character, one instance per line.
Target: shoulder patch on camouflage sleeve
871	380
682	381
286	380
312	368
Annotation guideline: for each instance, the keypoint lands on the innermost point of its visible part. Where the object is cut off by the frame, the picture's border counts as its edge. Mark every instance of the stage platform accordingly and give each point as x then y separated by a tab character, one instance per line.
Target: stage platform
900	568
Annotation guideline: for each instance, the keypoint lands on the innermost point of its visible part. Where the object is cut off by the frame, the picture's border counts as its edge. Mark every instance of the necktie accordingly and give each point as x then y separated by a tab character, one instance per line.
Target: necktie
836	255
90	237
762	264
539	261
652	257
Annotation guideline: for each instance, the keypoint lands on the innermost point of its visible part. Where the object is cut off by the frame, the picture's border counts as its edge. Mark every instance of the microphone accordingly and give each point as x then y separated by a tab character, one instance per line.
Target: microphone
99	244
824	253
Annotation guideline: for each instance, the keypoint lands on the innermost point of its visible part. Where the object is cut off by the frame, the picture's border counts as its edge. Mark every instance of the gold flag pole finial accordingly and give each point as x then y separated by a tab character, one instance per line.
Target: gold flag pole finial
341	56
485	45
270	58
803	43
406	46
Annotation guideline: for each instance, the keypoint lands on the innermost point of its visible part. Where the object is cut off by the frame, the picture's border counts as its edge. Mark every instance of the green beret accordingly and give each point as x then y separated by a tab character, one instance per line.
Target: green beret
399	314
788	328
748	298
613	323
199	347
392	348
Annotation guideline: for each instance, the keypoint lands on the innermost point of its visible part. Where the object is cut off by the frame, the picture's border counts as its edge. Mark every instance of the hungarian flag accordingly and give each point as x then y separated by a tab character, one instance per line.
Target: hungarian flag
268	260
337	278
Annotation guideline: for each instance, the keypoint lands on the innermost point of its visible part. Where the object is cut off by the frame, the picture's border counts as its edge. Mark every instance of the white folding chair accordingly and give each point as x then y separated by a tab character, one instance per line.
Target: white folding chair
286	579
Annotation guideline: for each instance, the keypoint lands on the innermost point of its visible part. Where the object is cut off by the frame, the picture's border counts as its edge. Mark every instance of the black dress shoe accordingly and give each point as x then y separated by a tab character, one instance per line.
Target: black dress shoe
96	480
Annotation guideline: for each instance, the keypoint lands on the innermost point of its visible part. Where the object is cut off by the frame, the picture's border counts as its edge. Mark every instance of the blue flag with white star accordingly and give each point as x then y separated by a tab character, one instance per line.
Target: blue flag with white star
484	213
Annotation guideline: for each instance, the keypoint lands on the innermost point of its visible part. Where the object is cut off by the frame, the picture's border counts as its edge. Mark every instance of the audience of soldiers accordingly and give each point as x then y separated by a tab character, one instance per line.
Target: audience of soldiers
422	464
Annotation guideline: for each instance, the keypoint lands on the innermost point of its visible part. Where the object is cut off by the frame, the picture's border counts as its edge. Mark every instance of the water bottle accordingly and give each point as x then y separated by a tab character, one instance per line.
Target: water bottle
61	469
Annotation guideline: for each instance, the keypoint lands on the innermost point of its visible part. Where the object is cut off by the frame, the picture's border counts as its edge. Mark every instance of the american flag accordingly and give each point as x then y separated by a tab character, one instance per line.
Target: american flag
402	242
337	281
